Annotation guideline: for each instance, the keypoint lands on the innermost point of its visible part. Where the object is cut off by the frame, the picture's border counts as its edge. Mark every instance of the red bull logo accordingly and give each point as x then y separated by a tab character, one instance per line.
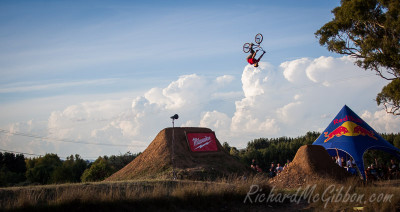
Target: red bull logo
349	128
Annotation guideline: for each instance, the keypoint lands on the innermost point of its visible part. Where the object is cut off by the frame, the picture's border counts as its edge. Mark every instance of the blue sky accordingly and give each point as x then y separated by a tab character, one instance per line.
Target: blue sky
109	71
48	42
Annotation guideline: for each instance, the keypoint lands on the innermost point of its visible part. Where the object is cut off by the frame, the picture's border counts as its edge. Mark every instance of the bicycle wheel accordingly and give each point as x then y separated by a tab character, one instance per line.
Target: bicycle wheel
246	47
259	38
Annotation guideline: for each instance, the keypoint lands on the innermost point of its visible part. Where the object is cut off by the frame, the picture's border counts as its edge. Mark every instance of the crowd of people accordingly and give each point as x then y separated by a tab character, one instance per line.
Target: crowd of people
376	171
349	165
273	169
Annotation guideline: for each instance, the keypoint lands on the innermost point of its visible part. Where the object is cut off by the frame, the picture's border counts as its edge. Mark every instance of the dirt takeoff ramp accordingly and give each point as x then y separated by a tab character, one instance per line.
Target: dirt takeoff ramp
187	162
312	163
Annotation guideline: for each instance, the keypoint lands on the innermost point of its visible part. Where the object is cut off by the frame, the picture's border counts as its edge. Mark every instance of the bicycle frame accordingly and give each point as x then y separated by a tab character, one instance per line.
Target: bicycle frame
256	47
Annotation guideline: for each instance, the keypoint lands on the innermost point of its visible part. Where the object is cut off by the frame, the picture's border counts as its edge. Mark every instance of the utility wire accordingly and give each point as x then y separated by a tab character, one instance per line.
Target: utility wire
25	153
4	150
62	140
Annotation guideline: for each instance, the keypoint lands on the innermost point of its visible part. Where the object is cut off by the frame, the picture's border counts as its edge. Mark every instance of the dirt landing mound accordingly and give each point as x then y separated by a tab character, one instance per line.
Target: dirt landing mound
312	163
156	160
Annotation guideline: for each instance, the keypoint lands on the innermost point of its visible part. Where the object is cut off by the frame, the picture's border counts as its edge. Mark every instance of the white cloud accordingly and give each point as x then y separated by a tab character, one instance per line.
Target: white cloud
294	70
320	69
25	137
288	112
215	120
301	95
225	79
252	80
382	121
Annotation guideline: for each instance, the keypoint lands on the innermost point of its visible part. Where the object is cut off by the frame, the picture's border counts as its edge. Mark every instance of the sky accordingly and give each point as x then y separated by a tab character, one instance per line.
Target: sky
103	77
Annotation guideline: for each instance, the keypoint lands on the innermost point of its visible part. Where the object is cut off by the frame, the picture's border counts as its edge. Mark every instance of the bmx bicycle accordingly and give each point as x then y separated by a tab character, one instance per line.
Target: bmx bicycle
258	39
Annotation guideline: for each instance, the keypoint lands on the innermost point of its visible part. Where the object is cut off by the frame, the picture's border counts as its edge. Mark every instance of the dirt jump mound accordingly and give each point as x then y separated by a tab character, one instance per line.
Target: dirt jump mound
312	163
165	155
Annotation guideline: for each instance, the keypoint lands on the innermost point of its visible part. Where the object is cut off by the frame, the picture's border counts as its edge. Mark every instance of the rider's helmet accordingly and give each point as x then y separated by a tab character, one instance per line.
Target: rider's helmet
256	65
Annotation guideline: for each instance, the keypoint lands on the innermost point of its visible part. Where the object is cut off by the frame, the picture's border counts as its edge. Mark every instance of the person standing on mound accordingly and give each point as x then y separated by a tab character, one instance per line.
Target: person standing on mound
251	58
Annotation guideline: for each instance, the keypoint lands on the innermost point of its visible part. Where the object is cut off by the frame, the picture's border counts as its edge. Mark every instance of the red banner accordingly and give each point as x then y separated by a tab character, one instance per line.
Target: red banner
202	142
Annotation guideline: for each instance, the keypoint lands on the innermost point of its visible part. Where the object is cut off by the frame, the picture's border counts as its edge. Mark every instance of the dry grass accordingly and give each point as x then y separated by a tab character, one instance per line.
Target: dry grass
128	195
225	194
354	194
351	195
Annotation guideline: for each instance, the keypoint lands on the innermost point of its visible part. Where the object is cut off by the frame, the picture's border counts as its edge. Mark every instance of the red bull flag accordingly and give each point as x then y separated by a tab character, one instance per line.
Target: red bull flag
352	136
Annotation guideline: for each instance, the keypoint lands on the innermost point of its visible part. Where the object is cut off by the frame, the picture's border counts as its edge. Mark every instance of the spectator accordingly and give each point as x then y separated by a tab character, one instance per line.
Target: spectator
393	169
350	163
258	169
279	168
351	166
272	171
374	172
338	159
253	164
368	174
286	164
382	172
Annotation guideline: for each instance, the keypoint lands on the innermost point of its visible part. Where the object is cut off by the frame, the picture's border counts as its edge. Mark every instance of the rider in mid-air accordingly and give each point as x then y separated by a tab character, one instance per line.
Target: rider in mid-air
251	58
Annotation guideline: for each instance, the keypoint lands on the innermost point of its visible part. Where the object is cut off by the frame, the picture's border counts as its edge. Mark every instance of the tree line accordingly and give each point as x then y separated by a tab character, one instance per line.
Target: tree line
15	169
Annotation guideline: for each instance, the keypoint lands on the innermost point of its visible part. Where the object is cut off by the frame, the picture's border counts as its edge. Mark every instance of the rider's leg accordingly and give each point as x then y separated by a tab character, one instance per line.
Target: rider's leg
254	54
258	60
249	56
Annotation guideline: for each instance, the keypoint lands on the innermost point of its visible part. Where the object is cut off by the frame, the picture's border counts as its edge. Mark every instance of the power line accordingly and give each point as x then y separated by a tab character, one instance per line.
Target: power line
32	154
4	150
63	140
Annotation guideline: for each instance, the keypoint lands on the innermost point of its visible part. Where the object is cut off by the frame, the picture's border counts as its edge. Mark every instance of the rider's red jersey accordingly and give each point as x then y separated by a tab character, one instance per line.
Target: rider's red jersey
251	61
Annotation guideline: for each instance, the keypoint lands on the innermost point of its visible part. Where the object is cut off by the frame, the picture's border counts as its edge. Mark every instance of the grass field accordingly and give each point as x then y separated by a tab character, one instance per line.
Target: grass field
232	194
152	195
350	195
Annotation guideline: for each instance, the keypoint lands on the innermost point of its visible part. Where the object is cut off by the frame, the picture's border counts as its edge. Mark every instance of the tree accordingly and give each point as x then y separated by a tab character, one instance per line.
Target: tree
70	171
369	30
390	97
40	170
396	141
12	169
226	146
99	170
120	161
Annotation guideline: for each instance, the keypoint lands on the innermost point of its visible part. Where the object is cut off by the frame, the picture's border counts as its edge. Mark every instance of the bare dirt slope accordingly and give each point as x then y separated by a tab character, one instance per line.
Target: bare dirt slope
312	163
156	160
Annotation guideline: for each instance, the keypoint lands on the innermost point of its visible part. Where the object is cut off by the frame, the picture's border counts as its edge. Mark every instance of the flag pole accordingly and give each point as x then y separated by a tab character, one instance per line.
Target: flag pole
173	141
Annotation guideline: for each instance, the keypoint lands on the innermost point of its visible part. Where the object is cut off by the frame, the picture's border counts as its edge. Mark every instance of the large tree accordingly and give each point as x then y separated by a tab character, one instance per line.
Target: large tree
369	30
40	170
